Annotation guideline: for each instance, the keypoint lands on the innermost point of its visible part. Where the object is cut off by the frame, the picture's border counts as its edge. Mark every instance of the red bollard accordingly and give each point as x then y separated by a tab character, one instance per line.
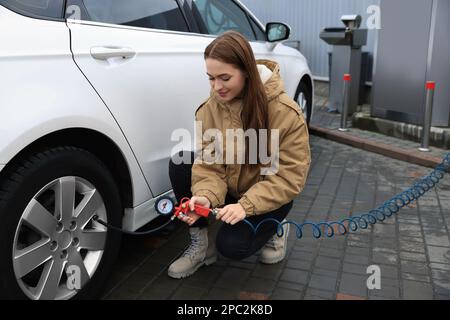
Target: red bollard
345	102
430	86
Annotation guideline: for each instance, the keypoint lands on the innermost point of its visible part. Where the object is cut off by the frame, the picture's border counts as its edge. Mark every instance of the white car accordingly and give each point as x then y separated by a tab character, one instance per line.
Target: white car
90	95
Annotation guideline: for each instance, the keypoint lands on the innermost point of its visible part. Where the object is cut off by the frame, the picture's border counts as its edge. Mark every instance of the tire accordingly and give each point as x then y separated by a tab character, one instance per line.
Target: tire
303	96
52	253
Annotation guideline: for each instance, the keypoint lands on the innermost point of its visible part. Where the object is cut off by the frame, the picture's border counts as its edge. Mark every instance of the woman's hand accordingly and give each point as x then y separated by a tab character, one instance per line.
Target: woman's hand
232	213
190	218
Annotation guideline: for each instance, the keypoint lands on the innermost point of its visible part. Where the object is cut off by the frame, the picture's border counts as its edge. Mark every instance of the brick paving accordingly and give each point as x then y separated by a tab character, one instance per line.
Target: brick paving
412	248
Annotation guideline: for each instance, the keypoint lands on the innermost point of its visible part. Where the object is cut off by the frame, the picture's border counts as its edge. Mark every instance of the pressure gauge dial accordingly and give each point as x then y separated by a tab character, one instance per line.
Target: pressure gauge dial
164	206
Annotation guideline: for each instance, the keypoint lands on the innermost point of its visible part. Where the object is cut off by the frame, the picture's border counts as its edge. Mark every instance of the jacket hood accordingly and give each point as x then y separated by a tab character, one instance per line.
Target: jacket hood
274	85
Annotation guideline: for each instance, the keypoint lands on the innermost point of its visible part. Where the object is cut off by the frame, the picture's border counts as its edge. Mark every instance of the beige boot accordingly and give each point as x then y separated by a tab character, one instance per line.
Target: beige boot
195	255
275	249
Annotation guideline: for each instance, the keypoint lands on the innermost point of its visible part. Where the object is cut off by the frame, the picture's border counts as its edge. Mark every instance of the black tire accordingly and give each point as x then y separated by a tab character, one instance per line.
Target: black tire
19	184
303	88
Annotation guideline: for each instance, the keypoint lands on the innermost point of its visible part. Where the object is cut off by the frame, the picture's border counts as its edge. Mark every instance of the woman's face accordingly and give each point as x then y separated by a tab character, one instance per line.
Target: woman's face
225	79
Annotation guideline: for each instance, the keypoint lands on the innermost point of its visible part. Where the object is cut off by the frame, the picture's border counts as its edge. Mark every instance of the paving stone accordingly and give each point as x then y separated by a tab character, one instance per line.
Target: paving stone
232	278
341	296
301	255
442	287
296	276
413	290
439	254
204	277
327	263
413	256
285	294
386	291
380	257
405	239
389	271
437	238
325	272
122	293
270	271
189	293
290	286
153	293
358	251
222	294
414	267
322	282
416	277
354	268
412	246
317	293
353	284
357	259
330	252
259	285
299	264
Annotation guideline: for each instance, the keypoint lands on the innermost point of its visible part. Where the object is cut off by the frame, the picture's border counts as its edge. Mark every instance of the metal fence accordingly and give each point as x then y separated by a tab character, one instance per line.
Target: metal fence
307	18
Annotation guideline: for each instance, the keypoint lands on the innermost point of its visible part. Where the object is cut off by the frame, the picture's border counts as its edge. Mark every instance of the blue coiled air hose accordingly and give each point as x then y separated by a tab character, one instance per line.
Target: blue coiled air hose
386	210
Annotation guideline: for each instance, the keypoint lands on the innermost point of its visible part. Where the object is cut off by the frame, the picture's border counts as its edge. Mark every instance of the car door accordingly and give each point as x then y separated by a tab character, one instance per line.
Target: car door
217	16
148	69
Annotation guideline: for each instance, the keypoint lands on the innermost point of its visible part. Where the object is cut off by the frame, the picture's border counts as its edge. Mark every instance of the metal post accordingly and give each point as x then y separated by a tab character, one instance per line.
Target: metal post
345	102
431	85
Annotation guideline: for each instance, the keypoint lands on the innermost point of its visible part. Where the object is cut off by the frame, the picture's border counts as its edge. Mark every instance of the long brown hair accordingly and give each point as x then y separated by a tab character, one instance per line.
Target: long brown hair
233	48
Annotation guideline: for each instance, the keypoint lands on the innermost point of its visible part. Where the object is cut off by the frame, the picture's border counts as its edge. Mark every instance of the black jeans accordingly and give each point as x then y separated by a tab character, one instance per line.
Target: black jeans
233	241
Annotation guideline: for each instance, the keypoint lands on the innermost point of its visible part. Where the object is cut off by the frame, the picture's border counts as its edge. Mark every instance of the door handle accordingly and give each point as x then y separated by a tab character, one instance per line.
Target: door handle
105	53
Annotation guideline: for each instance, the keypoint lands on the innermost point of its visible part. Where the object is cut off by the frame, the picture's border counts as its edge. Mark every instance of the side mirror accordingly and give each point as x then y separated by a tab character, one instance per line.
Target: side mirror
277	31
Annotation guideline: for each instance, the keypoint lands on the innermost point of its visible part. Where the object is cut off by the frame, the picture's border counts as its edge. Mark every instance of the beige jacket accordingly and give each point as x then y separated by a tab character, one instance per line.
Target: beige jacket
258	194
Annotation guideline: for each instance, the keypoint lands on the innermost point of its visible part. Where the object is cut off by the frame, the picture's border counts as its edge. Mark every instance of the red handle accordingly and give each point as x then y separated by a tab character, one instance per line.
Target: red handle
202	211
184	208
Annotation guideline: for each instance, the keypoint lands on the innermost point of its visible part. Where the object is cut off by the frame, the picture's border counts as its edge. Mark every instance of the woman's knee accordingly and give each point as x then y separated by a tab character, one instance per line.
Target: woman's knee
232	246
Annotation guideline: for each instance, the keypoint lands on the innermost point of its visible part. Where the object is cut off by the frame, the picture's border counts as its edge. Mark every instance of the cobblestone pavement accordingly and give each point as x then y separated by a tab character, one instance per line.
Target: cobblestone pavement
412	248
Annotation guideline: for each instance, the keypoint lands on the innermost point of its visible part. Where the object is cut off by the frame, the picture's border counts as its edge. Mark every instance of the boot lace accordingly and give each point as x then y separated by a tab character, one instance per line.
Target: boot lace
193	248
271	243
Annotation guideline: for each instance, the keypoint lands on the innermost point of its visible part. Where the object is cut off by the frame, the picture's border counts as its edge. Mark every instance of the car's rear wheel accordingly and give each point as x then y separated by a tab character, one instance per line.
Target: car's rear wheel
50	247
303	97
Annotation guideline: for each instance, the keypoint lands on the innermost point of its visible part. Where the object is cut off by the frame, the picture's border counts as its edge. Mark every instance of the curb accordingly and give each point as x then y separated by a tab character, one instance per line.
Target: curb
439	137
376	147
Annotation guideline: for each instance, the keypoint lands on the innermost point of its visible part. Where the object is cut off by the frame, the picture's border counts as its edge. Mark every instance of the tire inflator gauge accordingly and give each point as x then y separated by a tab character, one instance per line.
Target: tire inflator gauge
165	206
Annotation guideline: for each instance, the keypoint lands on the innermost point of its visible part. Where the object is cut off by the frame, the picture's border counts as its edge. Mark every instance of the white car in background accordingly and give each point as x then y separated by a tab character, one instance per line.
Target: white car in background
90	93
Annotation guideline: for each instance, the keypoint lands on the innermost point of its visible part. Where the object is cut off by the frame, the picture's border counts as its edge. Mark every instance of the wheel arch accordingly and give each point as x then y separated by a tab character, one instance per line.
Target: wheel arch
90	140
306	79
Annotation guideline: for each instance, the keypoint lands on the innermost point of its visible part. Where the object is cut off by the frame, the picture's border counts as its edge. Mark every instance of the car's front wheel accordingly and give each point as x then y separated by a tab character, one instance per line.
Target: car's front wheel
50	247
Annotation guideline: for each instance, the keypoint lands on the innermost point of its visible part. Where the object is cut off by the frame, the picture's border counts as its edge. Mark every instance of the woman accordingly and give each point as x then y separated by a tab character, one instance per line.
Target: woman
246	95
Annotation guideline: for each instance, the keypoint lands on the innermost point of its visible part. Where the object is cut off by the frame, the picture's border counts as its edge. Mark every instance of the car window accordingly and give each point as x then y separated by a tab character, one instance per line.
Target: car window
260	34
218	16
157	14
41	8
